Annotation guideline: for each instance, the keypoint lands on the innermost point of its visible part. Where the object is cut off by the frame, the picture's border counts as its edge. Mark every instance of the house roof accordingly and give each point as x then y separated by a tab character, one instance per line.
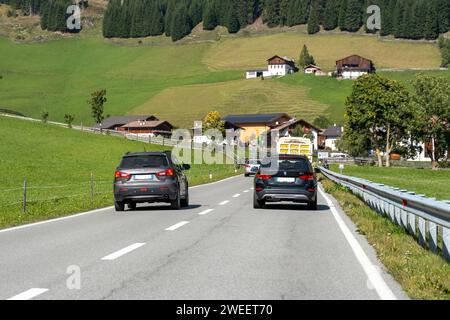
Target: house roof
287	59
145	124
354	62
312	66
333	131
255	118
294	122
118	121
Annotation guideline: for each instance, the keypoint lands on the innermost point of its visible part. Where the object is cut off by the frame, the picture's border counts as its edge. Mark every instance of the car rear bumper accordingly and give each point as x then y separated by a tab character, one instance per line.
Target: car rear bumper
278	195
160	193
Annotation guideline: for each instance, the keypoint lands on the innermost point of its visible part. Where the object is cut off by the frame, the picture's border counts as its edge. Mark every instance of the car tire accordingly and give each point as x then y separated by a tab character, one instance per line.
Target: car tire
312	205
246	175
258	204
185	201
119	206
132	206
176	203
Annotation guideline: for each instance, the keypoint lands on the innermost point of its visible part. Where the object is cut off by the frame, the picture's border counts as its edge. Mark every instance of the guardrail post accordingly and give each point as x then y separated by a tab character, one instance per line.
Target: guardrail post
404	218
24	204
412	224
397	216
446	243
422	232
432	231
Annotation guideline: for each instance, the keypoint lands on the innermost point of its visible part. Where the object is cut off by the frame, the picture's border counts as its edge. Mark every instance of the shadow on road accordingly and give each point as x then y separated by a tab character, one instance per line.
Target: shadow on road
164	208
290	206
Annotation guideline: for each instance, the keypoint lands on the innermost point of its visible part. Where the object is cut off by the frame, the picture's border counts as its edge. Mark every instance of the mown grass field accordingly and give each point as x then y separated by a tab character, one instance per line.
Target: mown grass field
58	76
422	274
58	162
434	184
252	52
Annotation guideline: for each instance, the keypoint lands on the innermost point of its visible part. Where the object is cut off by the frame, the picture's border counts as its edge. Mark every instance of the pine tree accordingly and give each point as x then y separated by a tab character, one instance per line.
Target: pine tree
209	17
313	21
330	21
432	22
353	16
232	20
272	12
305	58
181	25
343	15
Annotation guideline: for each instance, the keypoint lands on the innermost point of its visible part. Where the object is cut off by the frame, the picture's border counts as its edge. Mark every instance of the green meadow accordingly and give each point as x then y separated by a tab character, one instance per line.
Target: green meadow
58	162
181	82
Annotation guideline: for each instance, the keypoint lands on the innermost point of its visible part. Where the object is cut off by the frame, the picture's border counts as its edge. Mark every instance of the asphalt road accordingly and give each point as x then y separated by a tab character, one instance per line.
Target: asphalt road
219	248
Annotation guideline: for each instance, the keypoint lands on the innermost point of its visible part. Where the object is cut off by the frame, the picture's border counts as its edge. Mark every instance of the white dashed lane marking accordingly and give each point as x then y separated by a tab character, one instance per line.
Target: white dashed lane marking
224	202
29	294
205	212
177	226
124	251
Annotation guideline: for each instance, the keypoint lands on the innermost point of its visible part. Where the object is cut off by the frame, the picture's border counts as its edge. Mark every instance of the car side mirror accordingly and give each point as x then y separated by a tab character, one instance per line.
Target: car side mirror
186	167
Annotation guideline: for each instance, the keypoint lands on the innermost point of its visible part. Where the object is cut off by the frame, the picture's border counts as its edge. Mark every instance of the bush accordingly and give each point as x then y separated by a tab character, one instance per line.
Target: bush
11	13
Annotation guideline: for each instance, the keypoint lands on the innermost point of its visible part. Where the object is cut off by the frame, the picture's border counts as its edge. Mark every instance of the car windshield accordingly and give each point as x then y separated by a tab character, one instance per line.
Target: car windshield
142	161
300	165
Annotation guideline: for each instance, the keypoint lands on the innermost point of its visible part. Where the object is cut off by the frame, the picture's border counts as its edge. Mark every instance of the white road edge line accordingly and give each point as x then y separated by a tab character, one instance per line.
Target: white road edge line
124	251
176	226
237	195
224	202
95	211
205	212
383	290
246	191
55	220
29	294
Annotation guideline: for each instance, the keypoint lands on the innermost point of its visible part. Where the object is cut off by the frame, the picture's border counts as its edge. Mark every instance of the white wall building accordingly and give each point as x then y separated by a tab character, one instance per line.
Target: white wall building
277	67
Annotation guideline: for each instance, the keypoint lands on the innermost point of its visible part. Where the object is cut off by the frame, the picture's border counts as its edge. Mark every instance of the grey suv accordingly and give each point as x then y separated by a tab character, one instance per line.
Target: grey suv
150	177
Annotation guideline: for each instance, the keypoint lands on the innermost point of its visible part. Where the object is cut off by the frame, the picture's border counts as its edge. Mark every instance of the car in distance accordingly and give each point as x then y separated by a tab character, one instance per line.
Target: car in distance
251	167
150	177
285	178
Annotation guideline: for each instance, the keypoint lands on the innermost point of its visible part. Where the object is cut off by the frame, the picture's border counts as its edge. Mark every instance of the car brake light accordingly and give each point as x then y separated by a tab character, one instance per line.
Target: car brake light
307	177
263	176
122	175
167	173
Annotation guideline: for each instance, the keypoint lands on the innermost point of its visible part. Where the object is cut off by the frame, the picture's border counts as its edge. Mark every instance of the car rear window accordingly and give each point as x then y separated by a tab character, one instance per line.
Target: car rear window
300	165
136	162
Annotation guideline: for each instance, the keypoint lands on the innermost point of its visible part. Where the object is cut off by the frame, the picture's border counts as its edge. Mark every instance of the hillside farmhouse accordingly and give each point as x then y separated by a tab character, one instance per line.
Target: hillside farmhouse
353	67
332	135
254	125
313	69
277	67
286	129
114	123
157	127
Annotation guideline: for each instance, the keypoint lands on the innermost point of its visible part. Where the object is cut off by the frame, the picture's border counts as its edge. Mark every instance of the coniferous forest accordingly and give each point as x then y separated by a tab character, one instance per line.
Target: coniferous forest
408	19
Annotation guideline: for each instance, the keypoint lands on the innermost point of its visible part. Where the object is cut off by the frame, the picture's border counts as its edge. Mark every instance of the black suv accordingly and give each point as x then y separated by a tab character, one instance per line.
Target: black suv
285	178
150	177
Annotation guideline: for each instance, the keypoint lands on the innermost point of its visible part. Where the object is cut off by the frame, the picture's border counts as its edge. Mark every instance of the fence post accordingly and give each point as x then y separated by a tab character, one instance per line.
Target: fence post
92	189
24	205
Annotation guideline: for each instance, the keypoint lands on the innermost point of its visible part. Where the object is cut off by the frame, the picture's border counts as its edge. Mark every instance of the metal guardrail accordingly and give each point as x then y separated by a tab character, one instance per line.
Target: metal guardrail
425	218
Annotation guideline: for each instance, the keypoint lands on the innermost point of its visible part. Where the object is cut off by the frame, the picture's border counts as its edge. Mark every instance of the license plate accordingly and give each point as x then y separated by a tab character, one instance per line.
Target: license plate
286	180
144	177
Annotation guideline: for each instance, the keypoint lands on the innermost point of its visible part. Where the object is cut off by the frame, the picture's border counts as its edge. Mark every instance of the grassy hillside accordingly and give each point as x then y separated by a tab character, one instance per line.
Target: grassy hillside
58	76
58	162
410	179
252	52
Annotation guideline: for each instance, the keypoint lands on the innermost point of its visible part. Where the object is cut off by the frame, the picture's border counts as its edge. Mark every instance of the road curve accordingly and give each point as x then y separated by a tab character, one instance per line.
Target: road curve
218	248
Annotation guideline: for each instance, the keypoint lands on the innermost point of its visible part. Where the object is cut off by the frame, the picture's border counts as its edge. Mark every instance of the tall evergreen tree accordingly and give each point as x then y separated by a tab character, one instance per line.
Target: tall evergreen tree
330	21
209	16
432	22
313	21
353	16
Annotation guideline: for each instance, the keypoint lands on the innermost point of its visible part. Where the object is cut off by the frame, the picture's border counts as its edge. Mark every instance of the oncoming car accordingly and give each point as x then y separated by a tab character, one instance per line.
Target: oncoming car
150	177
285	178
252	167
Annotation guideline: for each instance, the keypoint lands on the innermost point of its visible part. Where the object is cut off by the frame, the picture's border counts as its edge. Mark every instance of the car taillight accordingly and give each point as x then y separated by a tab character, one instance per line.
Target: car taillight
167	173
248	166
263	176
122	175
307	177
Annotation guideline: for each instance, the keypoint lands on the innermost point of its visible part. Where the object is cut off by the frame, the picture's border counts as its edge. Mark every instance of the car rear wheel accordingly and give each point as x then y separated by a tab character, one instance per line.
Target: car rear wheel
258	204
176	203
185	201
312	205
119	206
246	175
